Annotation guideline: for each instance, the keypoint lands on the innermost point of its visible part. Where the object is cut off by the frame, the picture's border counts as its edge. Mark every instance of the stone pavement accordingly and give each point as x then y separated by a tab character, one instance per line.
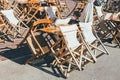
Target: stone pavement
107	67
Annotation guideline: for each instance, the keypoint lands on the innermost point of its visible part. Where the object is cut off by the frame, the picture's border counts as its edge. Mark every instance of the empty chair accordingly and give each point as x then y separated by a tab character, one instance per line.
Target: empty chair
30	10
114	29
6	30
69	52
109	28
42	23
53	13
37	45
90	38
13	23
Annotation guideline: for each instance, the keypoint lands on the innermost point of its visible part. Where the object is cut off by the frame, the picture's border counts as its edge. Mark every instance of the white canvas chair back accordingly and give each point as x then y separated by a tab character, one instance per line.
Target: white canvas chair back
87	31
9	14
62	21
99	11
70	35
87	14
51	11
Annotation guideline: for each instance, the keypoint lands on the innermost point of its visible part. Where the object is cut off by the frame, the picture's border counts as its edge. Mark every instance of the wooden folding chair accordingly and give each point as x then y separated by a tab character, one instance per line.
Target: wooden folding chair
30	11
102	27
2	36
63	7
53	13
6	30
34	8
20	12
114	30
102	30
37	45
36	25
92	40
4	4
69	53
108	29
15	23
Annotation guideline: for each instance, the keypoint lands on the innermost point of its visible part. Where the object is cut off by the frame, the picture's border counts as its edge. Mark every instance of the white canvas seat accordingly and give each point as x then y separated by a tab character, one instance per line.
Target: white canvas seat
90	38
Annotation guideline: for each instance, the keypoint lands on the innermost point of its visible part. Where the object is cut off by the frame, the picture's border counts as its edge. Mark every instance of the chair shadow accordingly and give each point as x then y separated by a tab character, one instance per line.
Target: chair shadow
107	40
21	54
18	55
44	65
109	43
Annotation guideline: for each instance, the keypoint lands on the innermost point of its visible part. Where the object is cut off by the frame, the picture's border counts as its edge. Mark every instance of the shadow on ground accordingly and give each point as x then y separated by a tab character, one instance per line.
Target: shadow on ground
20	55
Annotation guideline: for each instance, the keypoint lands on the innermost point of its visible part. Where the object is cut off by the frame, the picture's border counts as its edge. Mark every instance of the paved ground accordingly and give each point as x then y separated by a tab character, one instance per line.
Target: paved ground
12	66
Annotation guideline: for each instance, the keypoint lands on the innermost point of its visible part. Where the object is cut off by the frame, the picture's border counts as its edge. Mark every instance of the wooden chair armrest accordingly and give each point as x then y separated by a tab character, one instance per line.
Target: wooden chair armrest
42	21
